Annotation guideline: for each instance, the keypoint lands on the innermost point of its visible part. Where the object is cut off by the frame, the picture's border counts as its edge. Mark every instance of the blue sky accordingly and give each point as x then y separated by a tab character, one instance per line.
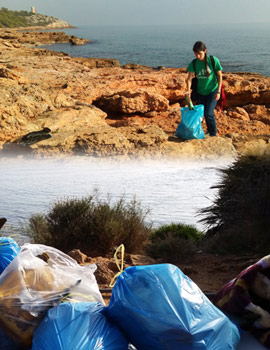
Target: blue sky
153	12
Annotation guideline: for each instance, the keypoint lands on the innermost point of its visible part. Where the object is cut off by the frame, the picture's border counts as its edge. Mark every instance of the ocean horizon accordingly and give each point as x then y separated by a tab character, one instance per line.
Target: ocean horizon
240	47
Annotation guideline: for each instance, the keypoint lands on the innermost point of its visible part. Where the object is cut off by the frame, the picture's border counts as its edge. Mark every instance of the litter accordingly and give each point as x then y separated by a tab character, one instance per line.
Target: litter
7	343
48	301
190	125
9	249
39	278
159	308
71	326
246	299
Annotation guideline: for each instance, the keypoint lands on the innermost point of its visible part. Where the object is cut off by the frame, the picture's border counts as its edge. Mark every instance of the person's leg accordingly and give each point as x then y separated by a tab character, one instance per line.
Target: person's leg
209	103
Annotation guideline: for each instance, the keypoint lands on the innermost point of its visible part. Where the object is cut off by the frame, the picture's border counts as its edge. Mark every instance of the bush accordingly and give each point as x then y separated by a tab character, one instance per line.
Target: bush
174	242
11	19
238	220
92	225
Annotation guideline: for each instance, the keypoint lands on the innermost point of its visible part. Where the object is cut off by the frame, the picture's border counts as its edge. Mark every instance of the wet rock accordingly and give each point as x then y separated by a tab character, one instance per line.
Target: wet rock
136	66
78	41
36	136
2	222
97	62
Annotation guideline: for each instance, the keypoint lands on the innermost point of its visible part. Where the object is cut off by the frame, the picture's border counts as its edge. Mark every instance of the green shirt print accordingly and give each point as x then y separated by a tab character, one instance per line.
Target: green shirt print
206	85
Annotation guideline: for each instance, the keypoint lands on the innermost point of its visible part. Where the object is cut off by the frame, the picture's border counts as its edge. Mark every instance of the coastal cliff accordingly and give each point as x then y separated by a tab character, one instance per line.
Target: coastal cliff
16	19
96	107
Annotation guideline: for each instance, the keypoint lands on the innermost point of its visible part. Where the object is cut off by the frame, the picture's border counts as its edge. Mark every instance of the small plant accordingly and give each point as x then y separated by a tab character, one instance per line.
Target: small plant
95	226
174	242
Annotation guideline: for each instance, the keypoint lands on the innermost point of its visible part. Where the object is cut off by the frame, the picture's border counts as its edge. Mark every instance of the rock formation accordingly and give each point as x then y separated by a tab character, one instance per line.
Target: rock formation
95	107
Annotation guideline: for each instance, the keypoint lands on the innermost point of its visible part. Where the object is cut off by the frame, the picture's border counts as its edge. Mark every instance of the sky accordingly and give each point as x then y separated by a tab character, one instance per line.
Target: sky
148	12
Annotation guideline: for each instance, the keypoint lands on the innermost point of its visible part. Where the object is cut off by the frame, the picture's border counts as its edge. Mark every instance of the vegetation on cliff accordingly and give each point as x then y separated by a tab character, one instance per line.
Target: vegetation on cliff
14	19
92	225
239	218
97	227
176	242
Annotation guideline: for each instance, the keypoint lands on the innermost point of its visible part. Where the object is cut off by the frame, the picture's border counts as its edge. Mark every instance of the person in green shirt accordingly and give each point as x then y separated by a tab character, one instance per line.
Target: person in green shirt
209	82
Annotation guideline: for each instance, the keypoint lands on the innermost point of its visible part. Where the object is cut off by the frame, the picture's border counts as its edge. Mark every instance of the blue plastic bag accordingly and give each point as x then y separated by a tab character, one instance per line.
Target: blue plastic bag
78	326
190	125
9	249
159	308
7	343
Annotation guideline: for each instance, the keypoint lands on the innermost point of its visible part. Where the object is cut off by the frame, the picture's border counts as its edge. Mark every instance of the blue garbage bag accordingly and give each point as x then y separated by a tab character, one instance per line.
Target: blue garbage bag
6	343
78	326
9	249
190	126
159	308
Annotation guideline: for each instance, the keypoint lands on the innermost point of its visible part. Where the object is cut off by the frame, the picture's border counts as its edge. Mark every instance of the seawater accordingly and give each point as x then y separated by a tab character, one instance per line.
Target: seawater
240	47
172	191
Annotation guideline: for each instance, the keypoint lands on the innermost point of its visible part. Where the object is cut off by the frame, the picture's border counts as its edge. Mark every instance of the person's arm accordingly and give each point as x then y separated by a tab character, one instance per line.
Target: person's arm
219	78
189	77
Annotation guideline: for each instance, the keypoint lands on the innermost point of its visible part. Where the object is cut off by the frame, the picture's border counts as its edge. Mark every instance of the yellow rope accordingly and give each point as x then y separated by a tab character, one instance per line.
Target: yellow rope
121	250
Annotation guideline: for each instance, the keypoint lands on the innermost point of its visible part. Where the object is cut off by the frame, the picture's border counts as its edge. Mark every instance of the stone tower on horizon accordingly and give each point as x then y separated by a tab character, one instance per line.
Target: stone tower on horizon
33	9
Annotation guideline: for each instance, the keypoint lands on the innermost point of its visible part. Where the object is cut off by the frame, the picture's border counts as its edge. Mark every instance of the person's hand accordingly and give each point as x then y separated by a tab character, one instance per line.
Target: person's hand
217	97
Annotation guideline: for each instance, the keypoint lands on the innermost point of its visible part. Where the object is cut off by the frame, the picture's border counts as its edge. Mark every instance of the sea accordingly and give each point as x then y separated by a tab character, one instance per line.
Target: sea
167	190
240	47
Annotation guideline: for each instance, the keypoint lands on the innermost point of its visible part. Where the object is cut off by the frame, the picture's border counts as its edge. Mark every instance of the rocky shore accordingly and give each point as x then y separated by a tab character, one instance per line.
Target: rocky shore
96	107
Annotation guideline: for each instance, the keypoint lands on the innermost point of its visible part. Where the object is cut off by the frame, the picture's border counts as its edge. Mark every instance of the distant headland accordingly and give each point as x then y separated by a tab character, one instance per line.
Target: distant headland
18	19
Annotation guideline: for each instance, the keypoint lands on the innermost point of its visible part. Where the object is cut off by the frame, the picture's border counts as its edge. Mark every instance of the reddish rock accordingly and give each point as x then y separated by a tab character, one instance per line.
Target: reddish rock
42	88
131	102
238	113
80	257
258	112
246	88
97	62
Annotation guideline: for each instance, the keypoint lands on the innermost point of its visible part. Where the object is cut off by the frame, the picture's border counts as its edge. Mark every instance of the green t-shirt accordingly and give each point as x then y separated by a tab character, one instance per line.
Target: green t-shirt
206	85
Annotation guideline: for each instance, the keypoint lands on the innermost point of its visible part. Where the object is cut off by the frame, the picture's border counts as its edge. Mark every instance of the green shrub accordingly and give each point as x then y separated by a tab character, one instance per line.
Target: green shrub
95	226
239	220
38	229
11	19
174	242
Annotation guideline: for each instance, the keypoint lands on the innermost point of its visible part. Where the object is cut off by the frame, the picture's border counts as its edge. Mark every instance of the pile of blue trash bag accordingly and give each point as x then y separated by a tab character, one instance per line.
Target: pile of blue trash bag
153	307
